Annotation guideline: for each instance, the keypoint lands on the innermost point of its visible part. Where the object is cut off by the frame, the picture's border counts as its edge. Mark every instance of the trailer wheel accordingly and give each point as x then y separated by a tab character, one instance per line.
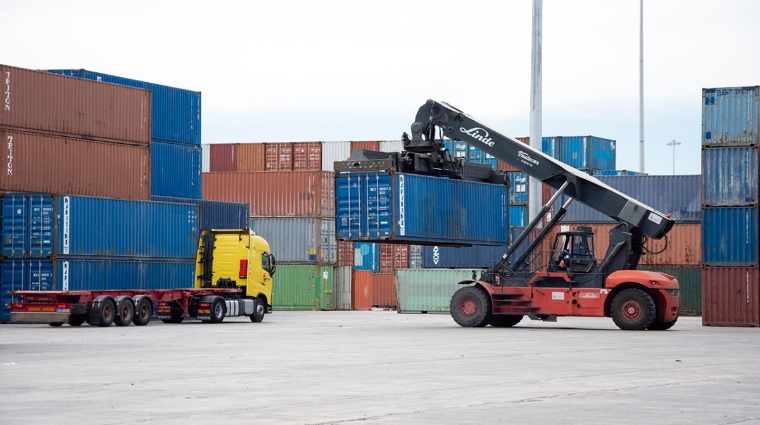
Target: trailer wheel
662	326
55	324
143	311
107	314
218	310
633	310
471	307
506	321
125	312
76	319
259	309
175	317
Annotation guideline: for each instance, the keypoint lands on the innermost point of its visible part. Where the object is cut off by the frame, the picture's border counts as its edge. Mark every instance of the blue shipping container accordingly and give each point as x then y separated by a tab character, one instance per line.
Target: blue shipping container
476	256
20	275
175	170
215	214
550	146
588	152
176	112
378	206
518	190
518	215
729	236
730	116
366	256
101	227
729	176
618	173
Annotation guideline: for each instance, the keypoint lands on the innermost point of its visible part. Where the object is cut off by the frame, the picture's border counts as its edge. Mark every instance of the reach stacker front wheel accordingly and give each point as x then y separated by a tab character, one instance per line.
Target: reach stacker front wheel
471	307
633	310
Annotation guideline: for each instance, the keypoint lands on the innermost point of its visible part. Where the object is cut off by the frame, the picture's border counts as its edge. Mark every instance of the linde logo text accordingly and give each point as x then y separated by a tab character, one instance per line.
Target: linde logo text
475	134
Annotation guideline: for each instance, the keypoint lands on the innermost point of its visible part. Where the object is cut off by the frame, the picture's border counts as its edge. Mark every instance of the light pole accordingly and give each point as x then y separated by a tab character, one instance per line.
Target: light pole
674	144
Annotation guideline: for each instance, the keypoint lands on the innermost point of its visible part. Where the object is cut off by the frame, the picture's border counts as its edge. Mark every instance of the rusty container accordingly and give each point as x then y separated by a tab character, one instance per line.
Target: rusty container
361	290
307	156
58	165
223	157
275	194
368	145
278	156
730	296
383	290
393	257
345	253
42	102
503	166
251	157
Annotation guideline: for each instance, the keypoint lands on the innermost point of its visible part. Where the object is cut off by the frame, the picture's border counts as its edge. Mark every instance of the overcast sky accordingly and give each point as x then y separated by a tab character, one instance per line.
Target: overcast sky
282	70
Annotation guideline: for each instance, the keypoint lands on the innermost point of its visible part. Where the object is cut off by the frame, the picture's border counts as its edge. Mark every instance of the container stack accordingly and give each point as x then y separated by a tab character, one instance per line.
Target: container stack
730	133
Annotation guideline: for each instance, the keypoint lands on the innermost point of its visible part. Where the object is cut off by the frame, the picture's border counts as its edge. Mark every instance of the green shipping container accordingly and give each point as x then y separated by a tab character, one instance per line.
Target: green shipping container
303	287
690	282
428	290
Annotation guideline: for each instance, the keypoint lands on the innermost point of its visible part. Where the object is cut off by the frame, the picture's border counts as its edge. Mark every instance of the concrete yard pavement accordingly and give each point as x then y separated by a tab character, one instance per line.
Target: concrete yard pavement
378	367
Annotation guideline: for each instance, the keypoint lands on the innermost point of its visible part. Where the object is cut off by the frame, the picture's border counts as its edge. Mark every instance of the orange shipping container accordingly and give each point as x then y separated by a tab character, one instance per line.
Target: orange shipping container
279	156
223	157
275	194
383	289
307	156
730	296
345	253
361	290
251	157
62	165
49	103
372	146
393	257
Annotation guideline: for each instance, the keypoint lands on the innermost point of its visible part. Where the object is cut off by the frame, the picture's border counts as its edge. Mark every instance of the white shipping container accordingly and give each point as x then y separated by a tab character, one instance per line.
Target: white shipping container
334	151
342	287
391	145
206	158
299	240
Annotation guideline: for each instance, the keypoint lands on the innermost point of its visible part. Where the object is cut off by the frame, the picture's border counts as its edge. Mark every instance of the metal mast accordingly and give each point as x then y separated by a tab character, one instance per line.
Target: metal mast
641	87
534	191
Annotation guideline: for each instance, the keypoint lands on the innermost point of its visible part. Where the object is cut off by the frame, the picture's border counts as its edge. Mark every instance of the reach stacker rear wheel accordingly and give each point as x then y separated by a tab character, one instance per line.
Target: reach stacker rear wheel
471	307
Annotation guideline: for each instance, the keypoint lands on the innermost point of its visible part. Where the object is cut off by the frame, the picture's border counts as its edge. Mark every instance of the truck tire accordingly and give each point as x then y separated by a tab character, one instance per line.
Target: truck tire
143	311
218	310
259	310
55	324
505	321
662	326
471	307
76	319
125	312
633	310
107	313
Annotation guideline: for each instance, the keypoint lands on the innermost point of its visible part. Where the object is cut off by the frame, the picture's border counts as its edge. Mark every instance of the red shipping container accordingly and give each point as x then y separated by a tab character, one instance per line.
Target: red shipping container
223	157
279	157
57	165
307	156
383	290
372	146
503	166
48	103
275	194
361	290
393	257
251	157
730	296
345	253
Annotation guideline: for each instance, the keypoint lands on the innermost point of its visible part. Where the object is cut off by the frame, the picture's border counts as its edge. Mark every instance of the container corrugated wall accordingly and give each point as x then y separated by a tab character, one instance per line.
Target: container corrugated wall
175	170
302	240
63	165
251	156
383	290
292	193
368	145
342	287
361	290
518	215
476	256
690	287
176	113
43	102
334	151
731	296
303	287
278	156
730	236
730	116
307	156
391	145
393	257
215	214
518	190
19	275
223	157
206	167
367	256
428	291
415	256
730	176
587	152
345	253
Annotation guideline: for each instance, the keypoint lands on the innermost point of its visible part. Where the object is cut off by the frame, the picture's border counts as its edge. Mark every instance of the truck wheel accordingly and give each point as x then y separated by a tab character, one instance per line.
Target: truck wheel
124	312
662	326
471	307
143	311
55	324
107	314
506	321
218	310
259	309
633	310
76	319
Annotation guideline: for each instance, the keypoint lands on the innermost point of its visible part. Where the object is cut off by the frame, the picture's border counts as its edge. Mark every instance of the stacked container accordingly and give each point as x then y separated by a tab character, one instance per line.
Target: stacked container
730	133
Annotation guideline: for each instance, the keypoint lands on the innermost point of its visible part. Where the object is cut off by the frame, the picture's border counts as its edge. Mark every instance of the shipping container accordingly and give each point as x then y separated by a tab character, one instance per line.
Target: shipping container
415	256
361	290
299	240
342	287
91	274
176	112
729	236
206	167
476	256
383	290
307	156
587	152
64	165
518	215
42	102
251	156
730	296
729	176
275	194
366	256
345	253
334	151
428	291
391	145
215	214
378	206
97	227
223	157
175	170
730	116
278	156
367	145
393	257
303	287
518	190
550	146
690	287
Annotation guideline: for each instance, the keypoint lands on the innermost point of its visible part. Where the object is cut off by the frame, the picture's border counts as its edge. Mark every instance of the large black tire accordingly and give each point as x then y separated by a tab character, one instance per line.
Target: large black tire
125	312
175	317
218	310
76	319
259	310
143	311
633	310
506	321
107	313
471	307
55	324
662	326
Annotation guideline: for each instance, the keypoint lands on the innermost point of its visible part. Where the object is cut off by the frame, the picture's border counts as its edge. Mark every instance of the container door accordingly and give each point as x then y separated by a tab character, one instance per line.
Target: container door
348	195
325	285
377	203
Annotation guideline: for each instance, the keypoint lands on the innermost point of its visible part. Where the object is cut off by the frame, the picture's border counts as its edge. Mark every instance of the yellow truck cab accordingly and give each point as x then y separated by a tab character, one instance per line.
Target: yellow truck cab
236	258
